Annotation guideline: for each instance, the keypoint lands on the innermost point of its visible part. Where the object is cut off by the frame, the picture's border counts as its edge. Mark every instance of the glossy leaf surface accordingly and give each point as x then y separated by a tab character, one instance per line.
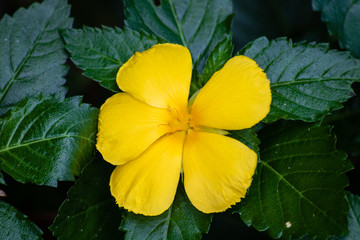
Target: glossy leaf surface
198	25
15	225
298	187
46	139
343	20
308	80
101	52
89	211
32	52
181	221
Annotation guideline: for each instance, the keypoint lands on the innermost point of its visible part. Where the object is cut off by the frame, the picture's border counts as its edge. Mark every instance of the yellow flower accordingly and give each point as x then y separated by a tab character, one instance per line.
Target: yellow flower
153	134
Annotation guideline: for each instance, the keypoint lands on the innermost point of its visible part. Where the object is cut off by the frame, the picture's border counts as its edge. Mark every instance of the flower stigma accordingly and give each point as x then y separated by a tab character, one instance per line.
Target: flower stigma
179	121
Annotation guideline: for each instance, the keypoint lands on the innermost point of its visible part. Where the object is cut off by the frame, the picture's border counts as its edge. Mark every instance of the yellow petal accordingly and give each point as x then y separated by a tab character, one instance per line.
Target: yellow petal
127	127
159	76
217	170
147	185
236	97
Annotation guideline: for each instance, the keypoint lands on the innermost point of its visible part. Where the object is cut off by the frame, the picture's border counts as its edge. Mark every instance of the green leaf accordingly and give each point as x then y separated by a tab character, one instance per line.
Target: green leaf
15	225
101	52
89	211
343	20
353	218
32	53
308	80
46	139
298	187
347	127
2	181
248	137
216	60
180	221
199	25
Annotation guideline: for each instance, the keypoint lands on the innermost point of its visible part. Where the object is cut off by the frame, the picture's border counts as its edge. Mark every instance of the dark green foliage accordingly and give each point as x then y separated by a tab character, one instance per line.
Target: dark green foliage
14	225
2	181
343	20
199	25
46	139
101	52
248	137
216	60
89	211
181	221
32	53
308	80
347	127
353	217
298	187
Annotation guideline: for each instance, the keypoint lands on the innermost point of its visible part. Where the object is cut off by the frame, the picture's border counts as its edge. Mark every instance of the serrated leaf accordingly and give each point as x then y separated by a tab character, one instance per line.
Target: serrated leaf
308	80
347	127
216	60
101	52
46	139
180	221
32	53
15	225
343	20
298	187
199	25
89	211
353	218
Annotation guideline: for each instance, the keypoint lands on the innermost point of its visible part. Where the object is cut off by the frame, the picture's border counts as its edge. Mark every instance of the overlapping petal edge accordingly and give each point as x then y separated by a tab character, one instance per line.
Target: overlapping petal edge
154	134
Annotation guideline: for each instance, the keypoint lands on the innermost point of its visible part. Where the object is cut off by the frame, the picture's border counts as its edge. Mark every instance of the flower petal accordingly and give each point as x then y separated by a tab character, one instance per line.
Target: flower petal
217	170
147	185
236	97
127	127
159	76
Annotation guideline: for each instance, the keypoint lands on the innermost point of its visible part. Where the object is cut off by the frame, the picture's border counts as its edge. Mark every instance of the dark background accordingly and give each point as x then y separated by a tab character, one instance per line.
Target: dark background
253	18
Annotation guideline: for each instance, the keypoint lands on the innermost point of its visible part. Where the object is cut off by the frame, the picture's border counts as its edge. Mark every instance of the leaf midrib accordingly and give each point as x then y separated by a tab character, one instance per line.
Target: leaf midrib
178	25
298	192
25	59
42	140
166	225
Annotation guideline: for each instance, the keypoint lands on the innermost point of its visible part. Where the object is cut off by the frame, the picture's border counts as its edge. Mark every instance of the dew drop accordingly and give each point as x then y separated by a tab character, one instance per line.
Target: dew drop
5	39
17	41
81	230
284	104
288	224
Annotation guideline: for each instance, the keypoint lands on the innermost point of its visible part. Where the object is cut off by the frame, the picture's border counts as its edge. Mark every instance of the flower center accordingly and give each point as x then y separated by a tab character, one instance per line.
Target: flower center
180	120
